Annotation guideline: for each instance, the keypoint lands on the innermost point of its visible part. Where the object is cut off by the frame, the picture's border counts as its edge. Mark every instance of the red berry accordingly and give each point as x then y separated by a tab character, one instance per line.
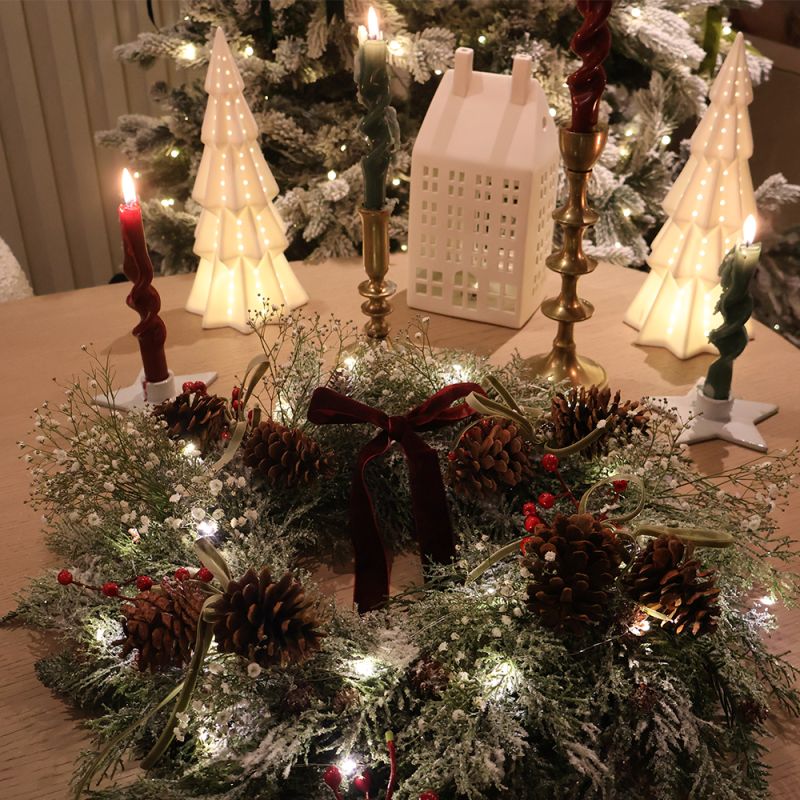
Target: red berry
529	509
524	544
235	392
250	415
550	462
362	782
187	387
429	796
332	777
205	574
451	456
182	574
225	435
620	486
547	500
531	522
200	387
65	577
143	583
235	405
110	589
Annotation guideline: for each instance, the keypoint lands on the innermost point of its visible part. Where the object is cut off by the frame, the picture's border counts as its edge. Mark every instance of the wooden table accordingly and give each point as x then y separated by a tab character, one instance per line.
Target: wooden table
41	338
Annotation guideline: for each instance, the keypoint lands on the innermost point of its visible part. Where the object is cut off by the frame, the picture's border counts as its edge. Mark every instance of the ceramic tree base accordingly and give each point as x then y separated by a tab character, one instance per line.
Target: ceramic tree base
730	420
141	393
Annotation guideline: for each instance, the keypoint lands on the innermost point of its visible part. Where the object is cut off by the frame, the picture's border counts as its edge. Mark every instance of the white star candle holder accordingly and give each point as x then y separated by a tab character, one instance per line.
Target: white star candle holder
142	393
731	420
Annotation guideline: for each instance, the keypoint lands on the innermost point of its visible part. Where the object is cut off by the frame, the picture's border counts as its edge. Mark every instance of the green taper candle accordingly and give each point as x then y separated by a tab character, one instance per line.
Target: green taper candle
735	305
380	121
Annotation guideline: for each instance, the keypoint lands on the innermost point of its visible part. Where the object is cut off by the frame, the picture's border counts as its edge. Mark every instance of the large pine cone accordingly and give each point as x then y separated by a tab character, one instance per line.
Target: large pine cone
573	563
161	625
285	457
195	416
491	456
576	414
665	579
429	677
266	622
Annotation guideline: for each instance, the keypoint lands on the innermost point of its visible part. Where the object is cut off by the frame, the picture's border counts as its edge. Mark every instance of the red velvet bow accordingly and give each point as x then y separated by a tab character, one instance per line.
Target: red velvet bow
434	529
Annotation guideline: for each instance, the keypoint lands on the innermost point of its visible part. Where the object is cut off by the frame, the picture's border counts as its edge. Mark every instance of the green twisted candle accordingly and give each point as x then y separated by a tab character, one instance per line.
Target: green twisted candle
379	125
735	305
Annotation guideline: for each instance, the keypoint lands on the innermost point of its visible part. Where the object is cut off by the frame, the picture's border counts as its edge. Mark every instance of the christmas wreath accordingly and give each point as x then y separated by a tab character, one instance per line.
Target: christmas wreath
598	632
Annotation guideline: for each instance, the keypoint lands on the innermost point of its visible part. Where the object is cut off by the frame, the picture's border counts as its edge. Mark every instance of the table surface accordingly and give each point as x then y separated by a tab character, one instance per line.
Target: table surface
40	737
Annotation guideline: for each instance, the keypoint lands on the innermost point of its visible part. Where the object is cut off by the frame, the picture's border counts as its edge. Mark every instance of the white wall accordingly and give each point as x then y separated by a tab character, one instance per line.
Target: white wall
59	83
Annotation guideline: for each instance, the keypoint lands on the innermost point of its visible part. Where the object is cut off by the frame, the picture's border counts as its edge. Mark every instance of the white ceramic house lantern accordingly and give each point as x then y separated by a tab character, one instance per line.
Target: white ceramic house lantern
484	174
240	236
707	206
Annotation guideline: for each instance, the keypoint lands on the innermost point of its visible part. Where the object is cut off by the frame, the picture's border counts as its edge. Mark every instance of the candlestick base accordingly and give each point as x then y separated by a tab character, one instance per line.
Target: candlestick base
377	290
141	393
731	420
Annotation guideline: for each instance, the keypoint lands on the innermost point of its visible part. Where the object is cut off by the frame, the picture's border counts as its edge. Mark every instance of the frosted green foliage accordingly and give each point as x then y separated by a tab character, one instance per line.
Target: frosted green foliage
518	711
299	85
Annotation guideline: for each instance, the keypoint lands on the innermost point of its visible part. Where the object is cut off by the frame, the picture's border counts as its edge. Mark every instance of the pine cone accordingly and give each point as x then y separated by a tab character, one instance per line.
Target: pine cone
298	699
266	622
429	677
285	457
576	414
665	579
573	563
161	625
491	456
346	698
197	417
644	698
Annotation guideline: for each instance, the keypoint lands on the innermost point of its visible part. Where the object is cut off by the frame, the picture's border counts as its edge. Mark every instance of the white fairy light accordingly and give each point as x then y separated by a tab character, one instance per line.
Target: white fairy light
551	111
248	51
188	52
666	139
348	766
137	174
767	600
626	212
636	12
395	181
503	679
343	147
167	202
190	450
207	528
437	72
404	248
174	153
364	667
481	39
350	362
331	174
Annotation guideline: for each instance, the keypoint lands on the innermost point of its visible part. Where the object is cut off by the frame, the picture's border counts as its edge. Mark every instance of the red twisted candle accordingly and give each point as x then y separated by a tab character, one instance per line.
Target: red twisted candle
592	42
143	298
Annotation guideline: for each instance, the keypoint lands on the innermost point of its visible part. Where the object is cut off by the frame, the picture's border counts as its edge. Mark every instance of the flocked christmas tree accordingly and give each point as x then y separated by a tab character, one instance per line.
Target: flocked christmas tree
707	206
240	236
296	58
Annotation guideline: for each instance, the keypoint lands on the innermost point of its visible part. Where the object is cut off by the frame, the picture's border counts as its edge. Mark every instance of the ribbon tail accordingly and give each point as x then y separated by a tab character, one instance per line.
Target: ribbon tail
371	588
435	535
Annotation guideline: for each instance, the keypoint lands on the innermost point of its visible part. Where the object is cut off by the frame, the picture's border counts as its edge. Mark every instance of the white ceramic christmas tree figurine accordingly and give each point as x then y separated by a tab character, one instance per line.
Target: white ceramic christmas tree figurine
706	207
240	236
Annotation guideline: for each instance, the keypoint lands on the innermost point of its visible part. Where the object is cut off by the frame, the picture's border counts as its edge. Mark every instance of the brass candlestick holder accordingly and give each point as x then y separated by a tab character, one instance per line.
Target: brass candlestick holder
377	290
579	152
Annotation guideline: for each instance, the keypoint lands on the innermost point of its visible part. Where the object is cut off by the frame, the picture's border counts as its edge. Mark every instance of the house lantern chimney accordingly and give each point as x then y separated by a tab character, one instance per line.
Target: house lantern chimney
520	79
462	73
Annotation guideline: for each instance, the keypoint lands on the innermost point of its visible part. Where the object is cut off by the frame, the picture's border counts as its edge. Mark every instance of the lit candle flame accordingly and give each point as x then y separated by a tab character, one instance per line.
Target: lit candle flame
372	24
128	188
749	229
